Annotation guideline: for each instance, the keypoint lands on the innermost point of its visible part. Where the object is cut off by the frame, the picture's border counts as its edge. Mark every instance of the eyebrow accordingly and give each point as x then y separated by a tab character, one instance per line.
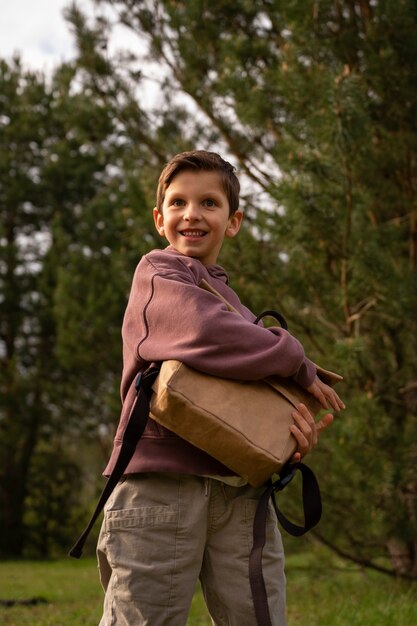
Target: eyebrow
205	194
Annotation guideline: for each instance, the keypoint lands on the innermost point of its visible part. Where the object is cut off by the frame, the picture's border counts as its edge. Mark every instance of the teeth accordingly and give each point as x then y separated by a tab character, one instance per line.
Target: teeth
193	233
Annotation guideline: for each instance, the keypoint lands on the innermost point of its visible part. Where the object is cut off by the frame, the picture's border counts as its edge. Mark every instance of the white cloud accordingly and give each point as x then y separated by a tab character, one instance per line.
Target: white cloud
36	31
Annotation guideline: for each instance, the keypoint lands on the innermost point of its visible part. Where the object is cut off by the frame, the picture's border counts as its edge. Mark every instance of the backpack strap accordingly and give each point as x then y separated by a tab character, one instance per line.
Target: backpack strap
134	430
312	514
311	507
270	313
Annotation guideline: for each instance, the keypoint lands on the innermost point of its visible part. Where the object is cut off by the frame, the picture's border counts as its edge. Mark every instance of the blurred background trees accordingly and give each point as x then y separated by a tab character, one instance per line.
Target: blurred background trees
316	104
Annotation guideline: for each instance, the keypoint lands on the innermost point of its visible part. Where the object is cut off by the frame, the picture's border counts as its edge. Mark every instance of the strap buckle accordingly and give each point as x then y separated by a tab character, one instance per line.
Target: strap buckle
287	474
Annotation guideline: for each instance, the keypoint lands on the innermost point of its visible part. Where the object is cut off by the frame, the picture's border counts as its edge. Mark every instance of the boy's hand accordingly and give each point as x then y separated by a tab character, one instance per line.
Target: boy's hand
306	431
325	395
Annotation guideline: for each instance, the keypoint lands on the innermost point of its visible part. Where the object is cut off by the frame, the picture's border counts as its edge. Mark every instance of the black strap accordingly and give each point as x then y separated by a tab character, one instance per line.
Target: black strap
310	489
134	430
278	316
311	499
311	508
312	514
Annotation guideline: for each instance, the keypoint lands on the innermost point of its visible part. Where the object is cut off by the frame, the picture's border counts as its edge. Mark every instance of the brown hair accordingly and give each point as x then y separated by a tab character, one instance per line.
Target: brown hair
204	161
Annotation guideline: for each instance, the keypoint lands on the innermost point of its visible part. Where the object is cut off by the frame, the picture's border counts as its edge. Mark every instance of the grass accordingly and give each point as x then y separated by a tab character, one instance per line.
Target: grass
321	591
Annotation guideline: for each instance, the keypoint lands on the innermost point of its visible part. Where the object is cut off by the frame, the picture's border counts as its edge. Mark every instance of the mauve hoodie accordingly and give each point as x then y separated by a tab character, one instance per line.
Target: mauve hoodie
169	316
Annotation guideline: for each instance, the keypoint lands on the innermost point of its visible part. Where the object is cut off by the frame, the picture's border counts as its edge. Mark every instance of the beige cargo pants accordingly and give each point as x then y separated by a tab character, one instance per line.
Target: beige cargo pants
161	532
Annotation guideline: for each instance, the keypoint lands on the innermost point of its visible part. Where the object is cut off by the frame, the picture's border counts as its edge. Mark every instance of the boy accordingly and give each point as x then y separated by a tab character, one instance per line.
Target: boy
178	514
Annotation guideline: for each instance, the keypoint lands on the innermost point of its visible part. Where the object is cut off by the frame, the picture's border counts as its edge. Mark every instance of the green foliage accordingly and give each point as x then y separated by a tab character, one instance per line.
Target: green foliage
317	103
321	590
52	507
74	221
25	325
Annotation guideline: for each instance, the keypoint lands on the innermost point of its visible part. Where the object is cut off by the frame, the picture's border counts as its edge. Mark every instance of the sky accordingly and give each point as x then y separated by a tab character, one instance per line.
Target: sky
37	30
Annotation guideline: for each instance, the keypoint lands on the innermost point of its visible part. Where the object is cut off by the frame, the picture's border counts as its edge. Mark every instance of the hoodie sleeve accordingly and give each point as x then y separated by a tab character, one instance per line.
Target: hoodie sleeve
170	317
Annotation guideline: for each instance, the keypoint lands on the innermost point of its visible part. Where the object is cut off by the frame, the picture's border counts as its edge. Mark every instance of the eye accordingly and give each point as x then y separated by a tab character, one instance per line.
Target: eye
209	202
177	202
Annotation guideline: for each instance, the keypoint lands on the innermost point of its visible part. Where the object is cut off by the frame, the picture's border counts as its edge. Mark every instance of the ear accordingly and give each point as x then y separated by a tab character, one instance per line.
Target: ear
158	219
233	226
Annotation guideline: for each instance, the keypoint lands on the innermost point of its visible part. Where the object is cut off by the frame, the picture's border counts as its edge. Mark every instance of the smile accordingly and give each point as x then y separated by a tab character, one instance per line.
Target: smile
193	233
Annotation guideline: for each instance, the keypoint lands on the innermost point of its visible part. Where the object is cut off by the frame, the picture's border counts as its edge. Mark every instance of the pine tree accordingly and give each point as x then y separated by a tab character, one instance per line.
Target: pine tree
25	324
317	103
69	243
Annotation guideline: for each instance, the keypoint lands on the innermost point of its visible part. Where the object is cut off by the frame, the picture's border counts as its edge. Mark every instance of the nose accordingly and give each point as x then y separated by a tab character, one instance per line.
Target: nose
192	212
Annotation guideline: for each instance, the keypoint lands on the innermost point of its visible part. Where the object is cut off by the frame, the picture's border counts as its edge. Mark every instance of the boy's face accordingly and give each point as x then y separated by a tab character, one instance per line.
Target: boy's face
195	215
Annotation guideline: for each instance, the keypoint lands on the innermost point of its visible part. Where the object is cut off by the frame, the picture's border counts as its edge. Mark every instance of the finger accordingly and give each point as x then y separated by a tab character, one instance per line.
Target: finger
335	401
303	443
321	398
324	422
305	422
306	429
305	414
296	457
340	402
